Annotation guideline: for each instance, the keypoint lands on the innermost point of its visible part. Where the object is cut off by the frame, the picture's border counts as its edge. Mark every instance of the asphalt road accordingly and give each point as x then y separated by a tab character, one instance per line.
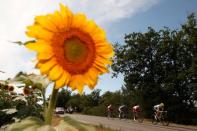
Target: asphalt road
129	125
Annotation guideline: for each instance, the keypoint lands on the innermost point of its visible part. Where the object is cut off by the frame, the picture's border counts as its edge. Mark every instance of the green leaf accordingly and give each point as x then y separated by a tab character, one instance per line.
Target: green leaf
23	43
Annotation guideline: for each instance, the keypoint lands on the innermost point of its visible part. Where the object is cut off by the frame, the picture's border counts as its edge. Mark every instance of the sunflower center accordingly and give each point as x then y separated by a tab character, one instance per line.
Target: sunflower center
75	50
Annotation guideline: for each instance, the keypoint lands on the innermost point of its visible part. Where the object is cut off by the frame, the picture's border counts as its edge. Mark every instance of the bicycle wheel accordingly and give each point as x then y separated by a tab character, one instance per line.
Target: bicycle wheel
154	120
165	121
109	115
120	116
140	118
125	116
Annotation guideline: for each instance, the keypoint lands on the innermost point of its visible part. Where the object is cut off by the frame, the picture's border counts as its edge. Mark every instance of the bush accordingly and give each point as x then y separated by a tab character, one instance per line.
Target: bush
97	110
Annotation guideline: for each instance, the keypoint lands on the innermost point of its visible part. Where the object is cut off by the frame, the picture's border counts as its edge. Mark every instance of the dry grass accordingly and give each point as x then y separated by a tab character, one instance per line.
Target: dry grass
56	120
80	126
102	128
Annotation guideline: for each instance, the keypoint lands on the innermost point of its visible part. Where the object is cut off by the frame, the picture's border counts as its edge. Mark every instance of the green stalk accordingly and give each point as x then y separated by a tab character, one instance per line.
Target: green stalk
44	101
50	110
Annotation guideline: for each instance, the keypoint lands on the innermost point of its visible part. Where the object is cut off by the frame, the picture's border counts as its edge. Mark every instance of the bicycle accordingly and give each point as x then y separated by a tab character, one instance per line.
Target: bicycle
123	115
110	114
162	118
140	117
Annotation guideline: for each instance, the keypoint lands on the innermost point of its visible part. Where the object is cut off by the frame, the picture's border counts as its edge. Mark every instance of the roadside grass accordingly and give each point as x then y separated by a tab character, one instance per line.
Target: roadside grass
83	126
100	127
78	125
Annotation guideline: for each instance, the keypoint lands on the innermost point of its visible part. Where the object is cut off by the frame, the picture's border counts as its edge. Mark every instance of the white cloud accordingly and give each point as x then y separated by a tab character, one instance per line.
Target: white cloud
17	14
106	11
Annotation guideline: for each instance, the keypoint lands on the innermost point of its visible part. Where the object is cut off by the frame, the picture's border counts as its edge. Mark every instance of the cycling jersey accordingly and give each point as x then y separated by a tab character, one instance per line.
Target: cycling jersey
158	107
109	108
136	108
121	108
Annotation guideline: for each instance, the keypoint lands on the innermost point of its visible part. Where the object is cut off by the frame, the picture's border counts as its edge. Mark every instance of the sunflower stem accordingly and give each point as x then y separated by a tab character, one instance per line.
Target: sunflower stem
52	103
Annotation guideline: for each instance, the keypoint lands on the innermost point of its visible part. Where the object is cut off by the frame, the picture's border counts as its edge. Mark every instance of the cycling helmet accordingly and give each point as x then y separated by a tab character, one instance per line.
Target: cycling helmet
161	104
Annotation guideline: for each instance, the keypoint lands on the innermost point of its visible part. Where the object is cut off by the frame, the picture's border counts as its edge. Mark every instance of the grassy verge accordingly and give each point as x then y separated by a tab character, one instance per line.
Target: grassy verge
83	126
102	128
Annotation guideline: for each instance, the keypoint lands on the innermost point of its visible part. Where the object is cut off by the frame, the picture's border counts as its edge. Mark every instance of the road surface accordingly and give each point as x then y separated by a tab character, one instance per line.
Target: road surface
129	125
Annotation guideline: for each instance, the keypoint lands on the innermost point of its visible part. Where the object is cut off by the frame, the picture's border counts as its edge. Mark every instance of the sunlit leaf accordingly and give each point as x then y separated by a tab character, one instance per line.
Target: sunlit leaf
23	43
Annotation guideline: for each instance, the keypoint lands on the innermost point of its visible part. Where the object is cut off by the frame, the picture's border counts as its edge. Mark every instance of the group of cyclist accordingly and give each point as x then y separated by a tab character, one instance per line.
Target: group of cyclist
136	109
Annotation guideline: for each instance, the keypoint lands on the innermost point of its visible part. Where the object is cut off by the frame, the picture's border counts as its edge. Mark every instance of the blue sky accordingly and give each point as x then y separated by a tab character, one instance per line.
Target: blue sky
117	17
170	13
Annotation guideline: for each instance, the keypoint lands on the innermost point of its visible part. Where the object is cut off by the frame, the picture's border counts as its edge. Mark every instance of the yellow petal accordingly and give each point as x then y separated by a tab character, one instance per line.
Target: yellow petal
57	19
98	35
44	55
38	32
45	22
67	16
91	79
102	69
65	11
40	46
105	51
92	85
78	20
80	89
45	67
77	82
62	81
38	65
56	72
101	60
89	27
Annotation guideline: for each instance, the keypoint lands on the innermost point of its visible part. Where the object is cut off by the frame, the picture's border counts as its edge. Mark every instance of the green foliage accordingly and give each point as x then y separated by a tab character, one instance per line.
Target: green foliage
92	99
5	118
160	66
24	43
93	103
97	110
63	97
29	108
25	105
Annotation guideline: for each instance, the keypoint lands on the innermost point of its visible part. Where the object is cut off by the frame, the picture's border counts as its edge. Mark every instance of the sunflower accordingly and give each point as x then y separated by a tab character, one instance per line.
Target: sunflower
71	50
26	91
10	88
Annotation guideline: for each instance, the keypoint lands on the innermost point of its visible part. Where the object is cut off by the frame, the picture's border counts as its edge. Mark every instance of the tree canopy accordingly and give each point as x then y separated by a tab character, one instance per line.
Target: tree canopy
160	66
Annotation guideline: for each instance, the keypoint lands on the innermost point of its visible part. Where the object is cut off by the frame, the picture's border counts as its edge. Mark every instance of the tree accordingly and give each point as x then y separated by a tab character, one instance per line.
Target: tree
158	65
63	97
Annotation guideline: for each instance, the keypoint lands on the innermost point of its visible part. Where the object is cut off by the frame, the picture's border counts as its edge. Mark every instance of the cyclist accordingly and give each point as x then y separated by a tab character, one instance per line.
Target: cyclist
121	110
136	110
158	109
109	110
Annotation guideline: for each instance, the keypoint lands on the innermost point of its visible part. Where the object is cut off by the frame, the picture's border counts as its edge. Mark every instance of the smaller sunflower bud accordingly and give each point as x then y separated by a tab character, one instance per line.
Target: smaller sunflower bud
10	88
26	91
